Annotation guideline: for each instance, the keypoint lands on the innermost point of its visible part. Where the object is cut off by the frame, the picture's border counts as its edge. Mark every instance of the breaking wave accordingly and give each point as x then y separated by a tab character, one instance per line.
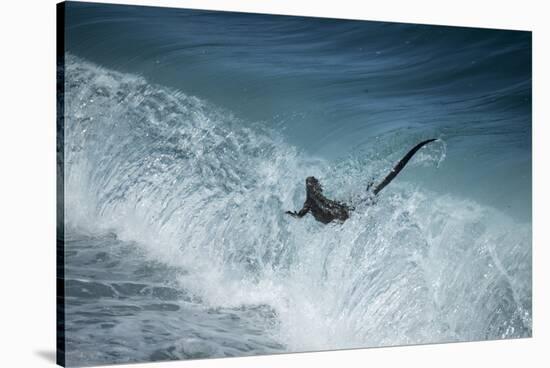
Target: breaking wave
196	188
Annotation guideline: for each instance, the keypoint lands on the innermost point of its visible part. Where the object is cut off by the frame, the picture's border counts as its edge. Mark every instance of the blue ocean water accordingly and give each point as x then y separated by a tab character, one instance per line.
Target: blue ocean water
189	133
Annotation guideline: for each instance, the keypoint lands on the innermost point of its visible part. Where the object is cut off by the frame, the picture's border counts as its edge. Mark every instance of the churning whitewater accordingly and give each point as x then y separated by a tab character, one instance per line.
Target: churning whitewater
177	245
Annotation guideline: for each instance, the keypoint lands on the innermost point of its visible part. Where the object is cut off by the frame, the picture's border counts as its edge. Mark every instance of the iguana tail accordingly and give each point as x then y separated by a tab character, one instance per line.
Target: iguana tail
400	165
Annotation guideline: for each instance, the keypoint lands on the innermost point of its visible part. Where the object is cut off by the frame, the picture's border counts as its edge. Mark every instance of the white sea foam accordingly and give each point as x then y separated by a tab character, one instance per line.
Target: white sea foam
198	189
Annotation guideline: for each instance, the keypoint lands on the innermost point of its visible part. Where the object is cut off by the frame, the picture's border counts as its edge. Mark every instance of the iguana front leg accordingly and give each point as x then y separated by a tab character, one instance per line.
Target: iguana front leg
300	213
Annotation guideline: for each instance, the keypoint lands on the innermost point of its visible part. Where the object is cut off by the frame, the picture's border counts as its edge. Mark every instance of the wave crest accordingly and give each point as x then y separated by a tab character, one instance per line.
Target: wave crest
198	188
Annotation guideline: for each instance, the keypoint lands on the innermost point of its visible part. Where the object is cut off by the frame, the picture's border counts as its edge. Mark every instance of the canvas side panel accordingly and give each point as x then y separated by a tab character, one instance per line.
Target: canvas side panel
60	282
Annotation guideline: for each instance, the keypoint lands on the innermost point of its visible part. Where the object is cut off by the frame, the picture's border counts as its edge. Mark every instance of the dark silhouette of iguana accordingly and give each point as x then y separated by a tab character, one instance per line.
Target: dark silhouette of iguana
326	210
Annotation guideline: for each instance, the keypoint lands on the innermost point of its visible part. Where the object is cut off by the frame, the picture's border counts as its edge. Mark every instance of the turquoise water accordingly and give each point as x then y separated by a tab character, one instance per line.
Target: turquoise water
189	133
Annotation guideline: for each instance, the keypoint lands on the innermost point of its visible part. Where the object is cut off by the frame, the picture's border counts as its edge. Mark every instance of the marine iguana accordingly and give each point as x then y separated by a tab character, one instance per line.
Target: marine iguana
326	210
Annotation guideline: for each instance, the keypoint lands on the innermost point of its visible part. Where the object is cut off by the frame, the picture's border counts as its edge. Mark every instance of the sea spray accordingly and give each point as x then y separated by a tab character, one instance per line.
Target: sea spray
197	190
